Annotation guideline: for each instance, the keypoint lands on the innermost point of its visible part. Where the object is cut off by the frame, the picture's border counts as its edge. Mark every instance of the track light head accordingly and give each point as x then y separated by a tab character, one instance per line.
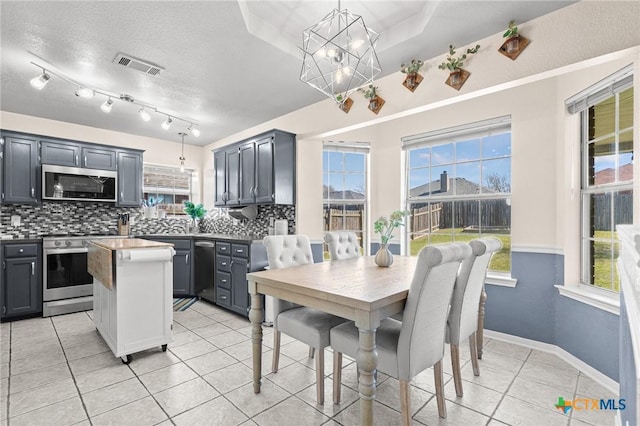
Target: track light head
144	114
85	92
166	123
40	81
194	131
106	106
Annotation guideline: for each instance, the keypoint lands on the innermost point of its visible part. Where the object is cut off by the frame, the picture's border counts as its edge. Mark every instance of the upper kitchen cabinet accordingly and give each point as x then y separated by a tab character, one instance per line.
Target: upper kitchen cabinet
129	178
20	168
265	170
63	153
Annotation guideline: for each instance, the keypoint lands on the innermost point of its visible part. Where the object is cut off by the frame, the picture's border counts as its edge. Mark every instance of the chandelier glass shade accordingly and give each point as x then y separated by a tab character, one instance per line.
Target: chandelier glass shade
339	55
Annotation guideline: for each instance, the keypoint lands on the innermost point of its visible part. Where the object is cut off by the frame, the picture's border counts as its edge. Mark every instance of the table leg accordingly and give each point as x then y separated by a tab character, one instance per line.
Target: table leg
255	315
367	361
480	332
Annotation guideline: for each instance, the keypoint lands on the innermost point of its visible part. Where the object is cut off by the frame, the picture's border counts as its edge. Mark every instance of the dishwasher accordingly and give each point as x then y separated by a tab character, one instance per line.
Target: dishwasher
205	263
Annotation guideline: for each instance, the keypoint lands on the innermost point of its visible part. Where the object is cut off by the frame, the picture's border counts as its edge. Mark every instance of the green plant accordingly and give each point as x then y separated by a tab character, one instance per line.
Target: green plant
413	67
385	227
370	92
195	211
454	63
512	31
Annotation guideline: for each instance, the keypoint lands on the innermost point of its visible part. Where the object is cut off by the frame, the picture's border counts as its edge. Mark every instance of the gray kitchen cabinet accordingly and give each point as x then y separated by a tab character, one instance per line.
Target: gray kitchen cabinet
227	171
21	169
239	285
60	153
129	178
183	270
98	158
21	291
263	167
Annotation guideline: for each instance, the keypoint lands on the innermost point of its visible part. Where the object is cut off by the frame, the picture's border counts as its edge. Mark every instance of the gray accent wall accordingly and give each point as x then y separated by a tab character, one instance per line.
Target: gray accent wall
535	310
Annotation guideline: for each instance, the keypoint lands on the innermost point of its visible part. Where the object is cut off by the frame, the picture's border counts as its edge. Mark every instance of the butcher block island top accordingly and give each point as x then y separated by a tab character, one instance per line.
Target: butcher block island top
101	259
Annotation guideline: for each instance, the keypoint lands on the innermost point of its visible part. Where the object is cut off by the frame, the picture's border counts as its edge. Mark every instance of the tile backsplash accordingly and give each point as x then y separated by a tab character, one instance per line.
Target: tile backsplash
101	218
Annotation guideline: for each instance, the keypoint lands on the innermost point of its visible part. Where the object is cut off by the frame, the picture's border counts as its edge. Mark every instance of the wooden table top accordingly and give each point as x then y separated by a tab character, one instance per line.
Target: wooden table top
358	282
128	243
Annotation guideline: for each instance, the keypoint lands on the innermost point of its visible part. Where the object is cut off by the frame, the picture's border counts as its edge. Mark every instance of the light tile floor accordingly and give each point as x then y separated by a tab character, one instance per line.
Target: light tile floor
58	371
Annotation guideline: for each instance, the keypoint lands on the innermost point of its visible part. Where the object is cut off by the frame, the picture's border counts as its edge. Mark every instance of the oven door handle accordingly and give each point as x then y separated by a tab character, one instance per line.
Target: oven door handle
66	251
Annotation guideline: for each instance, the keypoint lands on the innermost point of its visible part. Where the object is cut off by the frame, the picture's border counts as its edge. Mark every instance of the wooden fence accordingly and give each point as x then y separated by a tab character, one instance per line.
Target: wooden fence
425	220
601	210
338	219
494	214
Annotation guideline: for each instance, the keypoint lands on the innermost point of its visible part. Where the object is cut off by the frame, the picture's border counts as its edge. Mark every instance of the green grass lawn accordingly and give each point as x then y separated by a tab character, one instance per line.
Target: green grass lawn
604	262
500	262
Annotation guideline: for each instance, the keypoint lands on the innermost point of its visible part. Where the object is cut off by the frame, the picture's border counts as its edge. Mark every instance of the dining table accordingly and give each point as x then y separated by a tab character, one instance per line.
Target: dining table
356	289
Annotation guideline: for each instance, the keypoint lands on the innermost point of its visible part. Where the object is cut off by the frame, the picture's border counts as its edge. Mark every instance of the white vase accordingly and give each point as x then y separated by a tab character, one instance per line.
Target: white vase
384	257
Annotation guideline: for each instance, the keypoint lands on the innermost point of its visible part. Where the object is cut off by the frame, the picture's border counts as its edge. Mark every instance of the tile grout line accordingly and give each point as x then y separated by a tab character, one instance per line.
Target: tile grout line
504	394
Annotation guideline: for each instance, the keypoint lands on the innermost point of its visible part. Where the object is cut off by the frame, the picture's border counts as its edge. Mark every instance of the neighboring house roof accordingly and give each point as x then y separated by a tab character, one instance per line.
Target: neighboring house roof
348	195
609	175
463	186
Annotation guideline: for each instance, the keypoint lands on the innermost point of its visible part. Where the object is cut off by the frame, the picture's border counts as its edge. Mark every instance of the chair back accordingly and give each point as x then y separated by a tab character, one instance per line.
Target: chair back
342	245
421	341
463	316
284	251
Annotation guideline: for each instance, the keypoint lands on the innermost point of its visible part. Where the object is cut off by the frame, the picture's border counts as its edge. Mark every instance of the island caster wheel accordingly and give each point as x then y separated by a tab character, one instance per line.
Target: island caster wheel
164	348
128	359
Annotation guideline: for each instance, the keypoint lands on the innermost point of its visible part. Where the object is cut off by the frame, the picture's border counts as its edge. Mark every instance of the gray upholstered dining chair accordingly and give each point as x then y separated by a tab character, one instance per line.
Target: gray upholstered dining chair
342	244
307	325
463	315
405	348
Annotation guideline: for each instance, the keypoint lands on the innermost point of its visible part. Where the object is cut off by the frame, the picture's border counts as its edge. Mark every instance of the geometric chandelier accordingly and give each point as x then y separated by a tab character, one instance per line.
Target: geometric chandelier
339	55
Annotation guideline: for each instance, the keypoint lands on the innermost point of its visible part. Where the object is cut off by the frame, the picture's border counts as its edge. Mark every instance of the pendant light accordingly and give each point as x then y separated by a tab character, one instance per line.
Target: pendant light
182	135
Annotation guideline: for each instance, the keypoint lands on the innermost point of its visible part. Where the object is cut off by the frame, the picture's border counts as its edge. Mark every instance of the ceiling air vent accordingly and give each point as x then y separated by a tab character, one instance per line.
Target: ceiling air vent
137	64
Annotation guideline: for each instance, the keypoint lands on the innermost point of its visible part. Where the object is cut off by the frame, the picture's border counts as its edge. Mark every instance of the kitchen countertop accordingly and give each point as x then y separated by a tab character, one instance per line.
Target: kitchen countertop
228	237
128	243
21	240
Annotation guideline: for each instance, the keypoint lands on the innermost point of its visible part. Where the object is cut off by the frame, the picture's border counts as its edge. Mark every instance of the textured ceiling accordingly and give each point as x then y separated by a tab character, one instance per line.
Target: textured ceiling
228	65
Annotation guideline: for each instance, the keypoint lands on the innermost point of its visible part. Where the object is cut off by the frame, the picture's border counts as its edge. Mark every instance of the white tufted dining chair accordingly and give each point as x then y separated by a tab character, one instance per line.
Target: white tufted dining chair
307	325
463	315
405	348
342	244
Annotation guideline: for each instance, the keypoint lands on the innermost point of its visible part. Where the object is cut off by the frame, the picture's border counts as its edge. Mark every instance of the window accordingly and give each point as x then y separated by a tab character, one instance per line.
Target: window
607	178
167	188
344	178
459	187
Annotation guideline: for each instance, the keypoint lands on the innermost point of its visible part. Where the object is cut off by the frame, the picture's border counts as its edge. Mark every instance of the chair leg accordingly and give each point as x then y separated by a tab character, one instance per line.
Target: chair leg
474	355
276	351
312	351
320	376
405	402
455	365
439	382
337	376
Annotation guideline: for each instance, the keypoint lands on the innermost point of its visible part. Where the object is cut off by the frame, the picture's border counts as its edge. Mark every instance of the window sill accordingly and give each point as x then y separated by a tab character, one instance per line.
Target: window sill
500	279
601	299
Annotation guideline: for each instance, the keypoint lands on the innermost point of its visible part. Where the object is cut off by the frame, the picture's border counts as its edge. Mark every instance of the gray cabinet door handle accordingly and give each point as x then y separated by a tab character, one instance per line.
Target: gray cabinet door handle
121	195
85	160
33	268
75	161
33	192
239	250
186	259
21	251
223	281
223	263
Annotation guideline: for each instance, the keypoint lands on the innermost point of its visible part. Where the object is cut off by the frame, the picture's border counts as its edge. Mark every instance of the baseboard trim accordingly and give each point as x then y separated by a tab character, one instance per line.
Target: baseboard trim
604	380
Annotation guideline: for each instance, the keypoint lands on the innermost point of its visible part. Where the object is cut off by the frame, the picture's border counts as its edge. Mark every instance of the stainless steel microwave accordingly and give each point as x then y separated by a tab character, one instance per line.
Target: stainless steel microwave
77	184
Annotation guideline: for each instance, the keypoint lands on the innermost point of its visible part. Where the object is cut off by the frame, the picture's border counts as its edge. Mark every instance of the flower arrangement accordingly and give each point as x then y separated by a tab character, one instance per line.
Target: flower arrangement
512	31
385	227
193	210
454	63
412	68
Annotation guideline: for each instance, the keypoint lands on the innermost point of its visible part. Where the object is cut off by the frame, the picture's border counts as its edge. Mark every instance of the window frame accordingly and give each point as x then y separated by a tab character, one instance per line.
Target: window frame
190	193
460	134
349	148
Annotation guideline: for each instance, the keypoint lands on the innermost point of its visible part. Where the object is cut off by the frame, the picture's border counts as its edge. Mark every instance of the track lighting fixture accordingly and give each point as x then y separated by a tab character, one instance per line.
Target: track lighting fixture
40	81
106	106
167	123
83	91
193	130
144	114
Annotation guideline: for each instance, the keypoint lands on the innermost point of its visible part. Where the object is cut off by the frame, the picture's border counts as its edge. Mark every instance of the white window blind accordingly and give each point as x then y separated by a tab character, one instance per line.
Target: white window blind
456	133
605	88
339	146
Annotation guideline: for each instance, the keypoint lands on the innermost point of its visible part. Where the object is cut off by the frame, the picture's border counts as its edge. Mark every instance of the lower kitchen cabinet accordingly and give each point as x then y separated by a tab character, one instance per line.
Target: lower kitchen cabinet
182	265
21	289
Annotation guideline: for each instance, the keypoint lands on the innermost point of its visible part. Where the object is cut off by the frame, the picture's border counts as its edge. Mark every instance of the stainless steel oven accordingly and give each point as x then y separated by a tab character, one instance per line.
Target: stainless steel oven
67	285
